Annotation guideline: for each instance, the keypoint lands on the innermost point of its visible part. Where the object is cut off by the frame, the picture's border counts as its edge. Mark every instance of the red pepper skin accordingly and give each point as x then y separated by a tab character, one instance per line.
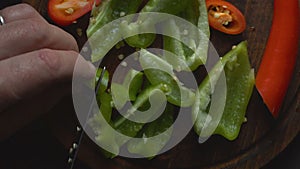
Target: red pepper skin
278	62
58	14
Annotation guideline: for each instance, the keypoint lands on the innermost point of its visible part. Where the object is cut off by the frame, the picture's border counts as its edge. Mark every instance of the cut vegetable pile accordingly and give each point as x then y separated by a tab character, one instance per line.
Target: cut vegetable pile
217	104
140	87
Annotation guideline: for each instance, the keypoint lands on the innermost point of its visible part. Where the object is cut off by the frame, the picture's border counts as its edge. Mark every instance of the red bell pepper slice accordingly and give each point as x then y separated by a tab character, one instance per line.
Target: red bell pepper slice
280	55
65	12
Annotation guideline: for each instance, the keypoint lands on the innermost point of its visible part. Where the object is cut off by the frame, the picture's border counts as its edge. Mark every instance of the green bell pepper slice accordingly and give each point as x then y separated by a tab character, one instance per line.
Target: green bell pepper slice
105	131
158	71
110	10
195	53
128	90
160	6
155	135
239	81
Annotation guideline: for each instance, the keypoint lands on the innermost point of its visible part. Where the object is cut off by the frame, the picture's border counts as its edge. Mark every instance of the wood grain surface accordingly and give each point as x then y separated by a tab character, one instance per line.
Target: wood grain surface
260	139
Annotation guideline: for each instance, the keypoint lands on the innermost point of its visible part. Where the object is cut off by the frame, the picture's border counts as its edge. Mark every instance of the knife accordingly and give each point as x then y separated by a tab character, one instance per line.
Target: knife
73	152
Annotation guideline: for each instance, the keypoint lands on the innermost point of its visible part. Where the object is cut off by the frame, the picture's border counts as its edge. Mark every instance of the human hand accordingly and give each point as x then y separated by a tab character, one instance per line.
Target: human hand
36	66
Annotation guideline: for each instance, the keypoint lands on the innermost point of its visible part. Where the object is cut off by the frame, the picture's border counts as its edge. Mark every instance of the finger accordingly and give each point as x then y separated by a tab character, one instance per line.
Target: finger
28	35
31	109
20	12
28	74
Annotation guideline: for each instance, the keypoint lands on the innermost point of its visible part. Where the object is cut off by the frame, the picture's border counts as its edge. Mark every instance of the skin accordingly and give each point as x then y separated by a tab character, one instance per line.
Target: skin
36	67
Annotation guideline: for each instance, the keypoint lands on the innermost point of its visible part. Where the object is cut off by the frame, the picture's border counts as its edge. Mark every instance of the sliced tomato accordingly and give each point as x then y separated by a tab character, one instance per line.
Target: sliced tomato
225	17
65	12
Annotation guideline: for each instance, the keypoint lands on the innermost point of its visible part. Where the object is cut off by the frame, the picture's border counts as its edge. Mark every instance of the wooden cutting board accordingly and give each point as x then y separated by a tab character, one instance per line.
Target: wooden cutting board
260	139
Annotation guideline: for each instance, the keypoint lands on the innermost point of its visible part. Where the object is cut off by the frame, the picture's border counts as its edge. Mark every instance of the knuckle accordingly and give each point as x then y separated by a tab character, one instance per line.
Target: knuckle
27	9
23	10
50	61
34	27
25	6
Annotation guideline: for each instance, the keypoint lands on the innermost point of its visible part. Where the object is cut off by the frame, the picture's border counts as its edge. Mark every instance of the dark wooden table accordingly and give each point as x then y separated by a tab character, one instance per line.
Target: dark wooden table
35	147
